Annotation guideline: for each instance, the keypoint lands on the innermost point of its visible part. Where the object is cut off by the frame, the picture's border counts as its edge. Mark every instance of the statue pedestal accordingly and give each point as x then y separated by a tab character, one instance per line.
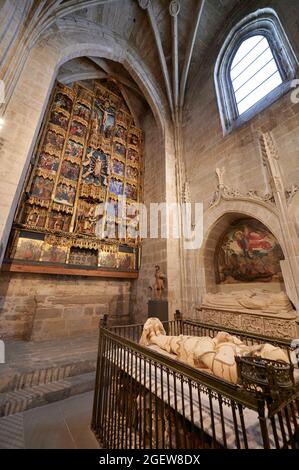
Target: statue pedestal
158	308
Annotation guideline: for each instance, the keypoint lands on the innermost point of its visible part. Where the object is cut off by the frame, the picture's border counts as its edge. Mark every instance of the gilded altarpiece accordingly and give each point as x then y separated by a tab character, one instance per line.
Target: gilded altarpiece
88	155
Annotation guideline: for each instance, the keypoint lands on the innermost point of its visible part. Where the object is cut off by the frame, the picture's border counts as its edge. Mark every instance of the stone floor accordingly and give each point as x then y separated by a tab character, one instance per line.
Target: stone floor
46	391
52	359
50	352
60	425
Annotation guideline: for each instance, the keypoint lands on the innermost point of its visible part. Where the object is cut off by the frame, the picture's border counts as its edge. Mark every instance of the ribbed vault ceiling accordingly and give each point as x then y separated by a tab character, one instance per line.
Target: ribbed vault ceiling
170	37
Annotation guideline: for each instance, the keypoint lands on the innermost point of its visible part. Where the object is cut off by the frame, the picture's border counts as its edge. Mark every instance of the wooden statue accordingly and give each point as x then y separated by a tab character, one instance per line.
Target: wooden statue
159	285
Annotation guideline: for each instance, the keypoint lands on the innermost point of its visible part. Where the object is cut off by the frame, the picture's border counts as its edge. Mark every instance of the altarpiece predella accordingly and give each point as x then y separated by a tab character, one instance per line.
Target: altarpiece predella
87	159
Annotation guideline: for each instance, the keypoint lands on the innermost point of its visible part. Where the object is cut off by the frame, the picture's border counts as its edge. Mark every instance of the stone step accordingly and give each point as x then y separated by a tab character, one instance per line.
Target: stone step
18	379
19	400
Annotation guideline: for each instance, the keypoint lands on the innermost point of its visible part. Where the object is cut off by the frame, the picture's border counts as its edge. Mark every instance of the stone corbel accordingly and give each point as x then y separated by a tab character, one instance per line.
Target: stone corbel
291	192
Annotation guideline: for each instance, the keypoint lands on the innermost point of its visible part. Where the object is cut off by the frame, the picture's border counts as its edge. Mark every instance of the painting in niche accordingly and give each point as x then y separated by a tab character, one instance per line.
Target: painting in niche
89	219
131	192
65	194
111	229
120	132
59	119
107	259
70	170
97	115
133	230
77	129
81	111
125	261
95	168
48	162
104	117
56	140
132	211
111	209
249	253
35	217
118	167
116	187
54	253
133	139
28	249
123	116
42	187
133	156
59	221
63	101
83	256
120	149
41	220
132	173
121	230
73	149
84	95
108	122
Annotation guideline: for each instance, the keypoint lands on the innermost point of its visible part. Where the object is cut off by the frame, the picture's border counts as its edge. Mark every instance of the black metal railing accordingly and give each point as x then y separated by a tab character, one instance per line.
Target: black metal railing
144	399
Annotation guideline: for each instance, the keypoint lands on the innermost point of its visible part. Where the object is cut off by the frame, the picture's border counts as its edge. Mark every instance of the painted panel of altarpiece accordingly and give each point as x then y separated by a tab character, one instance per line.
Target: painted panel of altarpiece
89	154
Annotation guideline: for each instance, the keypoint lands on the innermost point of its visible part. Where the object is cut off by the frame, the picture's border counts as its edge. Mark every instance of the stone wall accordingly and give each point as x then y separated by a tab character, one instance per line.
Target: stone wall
205	148
204	144
153	250
39	307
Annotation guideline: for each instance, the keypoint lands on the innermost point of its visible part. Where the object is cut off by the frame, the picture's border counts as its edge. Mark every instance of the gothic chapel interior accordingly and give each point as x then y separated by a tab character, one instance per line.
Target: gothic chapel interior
149	224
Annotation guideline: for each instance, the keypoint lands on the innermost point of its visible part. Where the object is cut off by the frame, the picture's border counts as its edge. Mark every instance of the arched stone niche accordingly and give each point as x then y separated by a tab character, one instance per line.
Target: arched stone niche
217	221
245	254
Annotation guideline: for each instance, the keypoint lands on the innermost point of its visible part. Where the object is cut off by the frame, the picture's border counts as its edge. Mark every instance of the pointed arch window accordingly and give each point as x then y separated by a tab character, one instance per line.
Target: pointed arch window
254	72
255	66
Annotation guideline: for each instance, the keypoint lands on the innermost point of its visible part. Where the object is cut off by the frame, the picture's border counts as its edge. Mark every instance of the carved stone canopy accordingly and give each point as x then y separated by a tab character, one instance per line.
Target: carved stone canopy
227	193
